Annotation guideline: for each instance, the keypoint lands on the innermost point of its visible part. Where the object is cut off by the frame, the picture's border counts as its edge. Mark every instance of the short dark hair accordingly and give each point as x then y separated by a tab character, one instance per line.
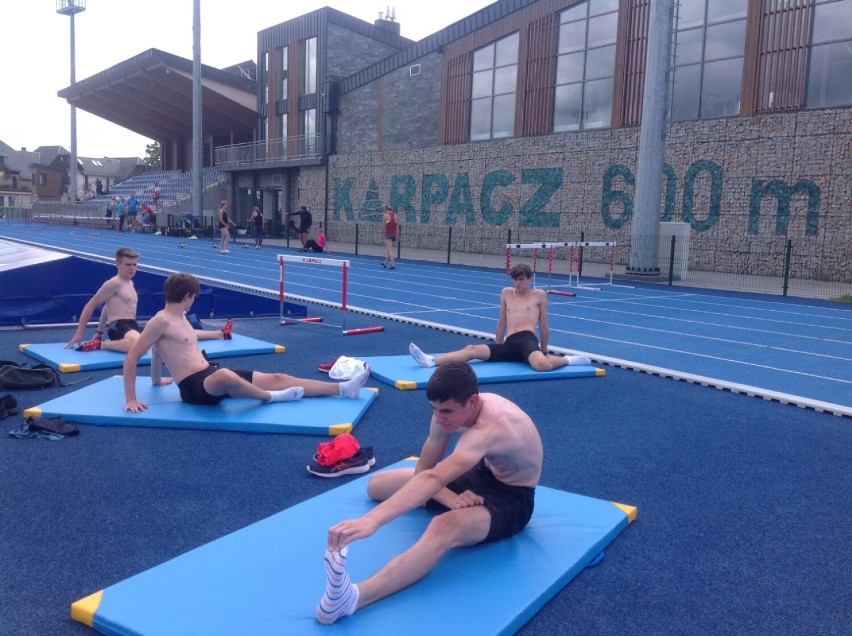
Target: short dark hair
520	271
125	252
452	381
178	285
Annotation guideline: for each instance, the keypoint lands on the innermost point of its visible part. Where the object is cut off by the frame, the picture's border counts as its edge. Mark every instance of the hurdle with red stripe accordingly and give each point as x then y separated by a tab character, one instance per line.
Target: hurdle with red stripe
344	265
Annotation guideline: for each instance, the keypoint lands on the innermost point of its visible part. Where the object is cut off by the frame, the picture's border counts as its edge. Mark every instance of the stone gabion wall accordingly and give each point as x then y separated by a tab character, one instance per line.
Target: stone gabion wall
744	185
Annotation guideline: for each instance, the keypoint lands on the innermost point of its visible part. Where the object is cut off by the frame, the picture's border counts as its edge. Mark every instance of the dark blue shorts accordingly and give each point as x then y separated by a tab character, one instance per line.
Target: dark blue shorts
192	389
517	348
510	506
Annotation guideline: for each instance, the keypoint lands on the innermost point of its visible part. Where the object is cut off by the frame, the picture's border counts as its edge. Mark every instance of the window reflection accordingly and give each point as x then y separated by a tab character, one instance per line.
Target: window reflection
585	66
708	58
493	89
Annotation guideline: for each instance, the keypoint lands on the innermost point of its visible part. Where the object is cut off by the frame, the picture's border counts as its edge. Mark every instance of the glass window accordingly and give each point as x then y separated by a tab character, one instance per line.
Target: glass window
597	104
568	107
708	60
308	130
570	68
572	37
687	87
832	21
282	84
830	66
725	40
308	82
720	10
600	62
720	97
690	13
596	7
265	79
830	78
690	46
480	119
493	89
602	30
585	66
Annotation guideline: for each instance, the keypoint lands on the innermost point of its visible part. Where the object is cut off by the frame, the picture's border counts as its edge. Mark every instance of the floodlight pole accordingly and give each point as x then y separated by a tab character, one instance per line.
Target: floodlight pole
197	157
71	8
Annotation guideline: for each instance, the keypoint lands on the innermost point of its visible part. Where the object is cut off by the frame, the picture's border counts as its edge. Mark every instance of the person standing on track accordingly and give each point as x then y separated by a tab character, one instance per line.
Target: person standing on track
389	232
224	227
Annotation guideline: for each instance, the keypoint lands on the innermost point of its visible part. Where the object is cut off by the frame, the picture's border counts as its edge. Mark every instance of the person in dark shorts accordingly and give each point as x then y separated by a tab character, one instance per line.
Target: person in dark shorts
118	314
306	220
484	490
522	309
173	343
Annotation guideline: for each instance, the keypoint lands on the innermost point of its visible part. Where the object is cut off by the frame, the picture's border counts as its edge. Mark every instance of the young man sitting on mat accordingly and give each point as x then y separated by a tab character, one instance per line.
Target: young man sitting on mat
483	491
175	344
521	310
119	300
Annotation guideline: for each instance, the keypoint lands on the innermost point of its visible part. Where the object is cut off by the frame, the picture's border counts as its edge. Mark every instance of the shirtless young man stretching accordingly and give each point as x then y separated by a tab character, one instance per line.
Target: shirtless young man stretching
484	490
521	310
175	343
118	296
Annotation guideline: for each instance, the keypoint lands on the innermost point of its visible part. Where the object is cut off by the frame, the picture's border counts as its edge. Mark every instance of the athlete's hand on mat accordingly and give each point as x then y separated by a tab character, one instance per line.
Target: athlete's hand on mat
349	530
74	341
465	500
135	406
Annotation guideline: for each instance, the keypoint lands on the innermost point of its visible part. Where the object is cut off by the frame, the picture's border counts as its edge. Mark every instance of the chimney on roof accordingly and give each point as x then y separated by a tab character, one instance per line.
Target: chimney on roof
23	148
388	22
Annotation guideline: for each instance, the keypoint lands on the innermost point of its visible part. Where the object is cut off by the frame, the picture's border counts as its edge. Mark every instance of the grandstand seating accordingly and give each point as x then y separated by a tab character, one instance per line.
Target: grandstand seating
175	185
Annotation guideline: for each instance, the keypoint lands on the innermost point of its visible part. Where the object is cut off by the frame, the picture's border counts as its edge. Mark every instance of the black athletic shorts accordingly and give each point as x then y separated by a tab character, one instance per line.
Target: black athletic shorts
119	328
510	506
516	347
192	389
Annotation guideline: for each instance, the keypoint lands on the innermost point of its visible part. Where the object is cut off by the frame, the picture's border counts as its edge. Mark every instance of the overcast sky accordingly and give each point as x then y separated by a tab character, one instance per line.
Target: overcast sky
37	45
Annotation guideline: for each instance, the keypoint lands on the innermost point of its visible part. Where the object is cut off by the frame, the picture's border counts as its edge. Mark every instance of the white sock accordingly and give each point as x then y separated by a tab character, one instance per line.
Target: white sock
287	395
579	361
341	595
422	359
352	387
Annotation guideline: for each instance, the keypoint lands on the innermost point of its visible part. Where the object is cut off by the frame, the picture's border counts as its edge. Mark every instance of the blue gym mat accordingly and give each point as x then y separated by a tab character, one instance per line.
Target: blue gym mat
267	578
71	360
404	373
102	403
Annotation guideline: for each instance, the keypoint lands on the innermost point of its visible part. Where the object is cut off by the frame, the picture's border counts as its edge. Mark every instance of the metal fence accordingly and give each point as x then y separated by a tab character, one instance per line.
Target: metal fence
785	269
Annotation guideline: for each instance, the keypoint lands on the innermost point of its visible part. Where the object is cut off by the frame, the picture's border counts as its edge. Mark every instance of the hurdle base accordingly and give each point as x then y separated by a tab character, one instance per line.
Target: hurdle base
560	293
362	330
286	321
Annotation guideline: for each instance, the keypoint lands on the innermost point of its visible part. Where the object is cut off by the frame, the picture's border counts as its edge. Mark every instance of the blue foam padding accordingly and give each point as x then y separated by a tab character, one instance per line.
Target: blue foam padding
267	578
403	372
69	360
102	403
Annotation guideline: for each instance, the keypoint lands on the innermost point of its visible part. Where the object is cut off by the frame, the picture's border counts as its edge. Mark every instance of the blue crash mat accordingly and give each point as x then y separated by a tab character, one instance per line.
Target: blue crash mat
102	403
71	360
403	372
268	577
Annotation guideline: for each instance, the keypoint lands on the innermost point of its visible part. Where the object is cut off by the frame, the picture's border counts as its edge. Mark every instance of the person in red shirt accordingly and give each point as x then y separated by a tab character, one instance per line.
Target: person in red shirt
389	228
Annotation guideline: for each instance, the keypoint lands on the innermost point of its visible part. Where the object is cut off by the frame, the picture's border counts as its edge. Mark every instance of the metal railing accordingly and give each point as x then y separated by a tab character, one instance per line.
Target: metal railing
271	150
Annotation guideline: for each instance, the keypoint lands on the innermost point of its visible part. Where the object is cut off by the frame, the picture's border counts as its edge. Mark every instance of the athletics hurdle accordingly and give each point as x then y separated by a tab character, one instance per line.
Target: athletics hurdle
313	260
580	245
535	247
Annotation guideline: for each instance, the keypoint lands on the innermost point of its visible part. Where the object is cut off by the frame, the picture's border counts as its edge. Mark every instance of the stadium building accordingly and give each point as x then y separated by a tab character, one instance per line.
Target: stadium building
521	122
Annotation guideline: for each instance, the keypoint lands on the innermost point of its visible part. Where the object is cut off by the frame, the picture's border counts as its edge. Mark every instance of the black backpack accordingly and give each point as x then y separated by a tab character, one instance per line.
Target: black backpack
36	376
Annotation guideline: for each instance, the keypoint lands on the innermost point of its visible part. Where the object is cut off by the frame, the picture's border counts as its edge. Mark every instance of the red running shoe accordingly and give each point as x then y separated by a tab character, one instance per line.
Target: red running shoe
359	463
228	328
90	345
325	367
